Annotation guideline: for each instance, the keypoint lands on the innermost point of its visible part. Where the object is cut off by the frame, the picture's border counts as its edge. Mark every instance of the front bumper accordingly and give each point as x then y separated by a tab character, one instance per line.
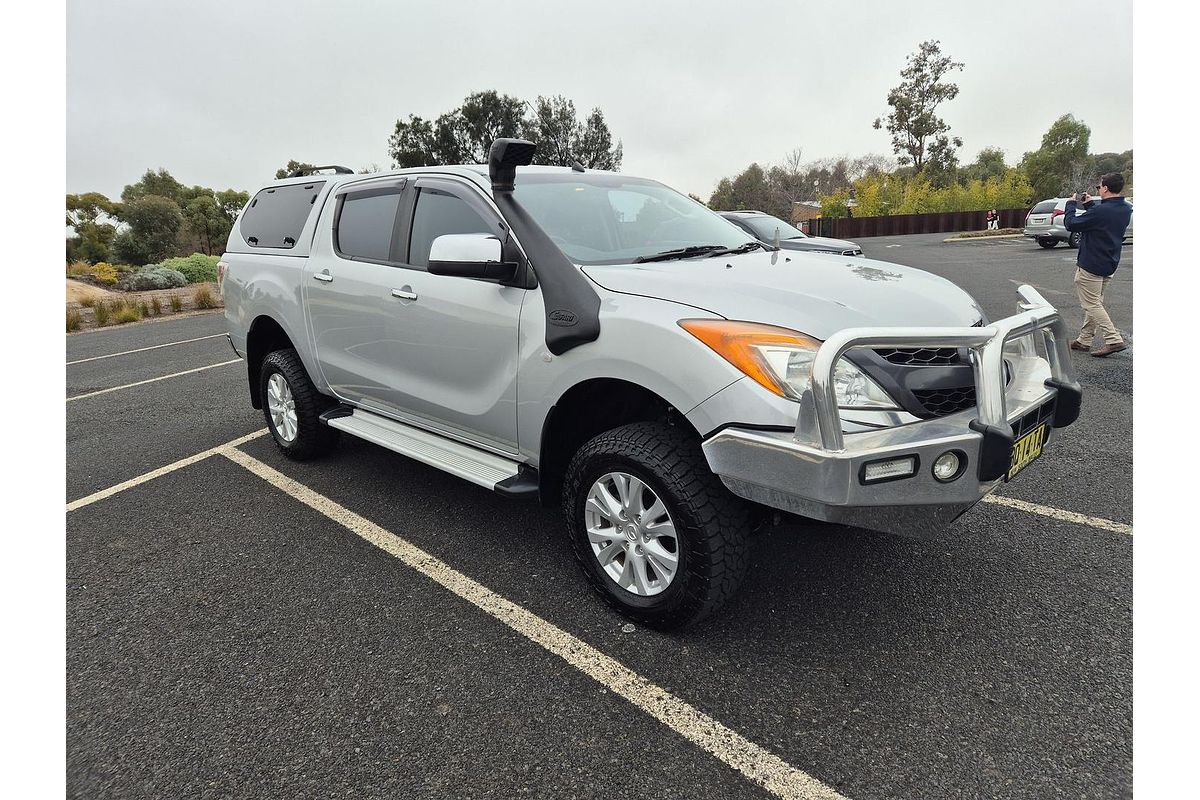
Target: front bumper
816	470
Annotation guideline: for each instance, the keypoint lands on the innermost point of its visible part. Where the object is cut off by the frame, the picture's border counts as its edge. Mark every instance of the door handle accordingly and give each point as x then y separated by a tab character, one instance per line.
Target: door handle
404	294
324	277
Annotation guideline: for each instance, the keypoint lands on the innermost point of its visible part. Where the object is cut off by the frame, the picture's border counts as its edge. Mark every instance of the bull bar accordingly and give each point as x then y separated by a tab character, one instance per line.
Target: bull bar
1022	370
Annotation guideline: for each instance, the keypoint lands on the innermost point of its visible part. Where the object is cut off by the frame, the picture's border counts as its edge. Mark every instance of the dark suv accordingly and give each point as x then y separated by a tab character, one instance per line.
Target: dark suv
764	227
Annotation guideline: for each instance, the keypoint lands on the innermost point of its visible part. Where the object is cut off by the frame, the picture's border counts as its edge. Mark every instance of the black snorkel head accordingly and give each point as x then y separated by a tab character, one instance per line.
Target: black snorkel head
504	158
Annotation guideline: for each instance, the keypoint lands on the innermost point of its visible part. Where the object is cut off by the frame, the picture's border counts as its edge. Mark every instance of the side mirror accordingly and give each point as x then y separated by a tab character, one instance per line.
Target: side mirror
470	255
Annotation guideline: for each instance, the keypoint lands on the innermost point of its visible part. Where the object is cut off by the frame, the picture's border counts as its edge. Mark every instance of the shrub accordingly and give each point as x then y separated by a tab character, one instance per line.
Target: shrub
203	298
127	314
176	303
102	314
77	269
152	276
87	302
144	308
105	273
74	320
156	306
197	268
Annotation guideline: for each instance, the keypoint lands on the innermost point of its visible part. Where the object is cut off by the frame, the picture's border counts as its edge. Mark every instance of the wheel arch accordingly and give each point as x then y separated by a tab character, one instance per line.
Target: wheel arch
587	409
265	336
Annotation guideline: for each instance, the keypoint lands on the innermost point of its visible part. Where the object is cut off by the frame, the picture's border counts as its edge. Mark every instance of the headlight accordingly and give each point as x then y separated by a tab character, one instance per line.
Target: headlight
781	360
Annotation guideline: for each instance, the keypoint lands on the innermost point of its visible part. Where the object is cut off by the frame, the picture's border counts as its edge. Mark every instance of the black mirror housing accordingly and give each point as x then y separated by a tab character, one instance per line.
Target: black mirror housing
502	271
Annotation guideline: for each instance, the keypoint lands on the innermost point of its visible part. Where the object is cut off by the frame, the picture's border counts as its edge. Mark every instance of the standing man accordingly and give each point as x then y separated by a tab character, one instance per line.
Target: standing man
1101	230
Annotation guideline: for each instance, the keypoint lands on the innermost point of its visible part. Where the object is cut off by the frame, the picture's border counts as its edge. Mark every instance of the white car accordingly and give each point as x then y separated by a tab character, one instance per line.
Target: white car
1044	222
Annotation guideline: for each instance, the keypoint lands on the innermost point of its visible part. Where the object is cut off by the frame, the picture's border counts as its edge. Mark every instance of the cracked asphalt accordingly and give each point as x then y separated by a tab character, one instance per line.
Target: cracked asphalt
226	640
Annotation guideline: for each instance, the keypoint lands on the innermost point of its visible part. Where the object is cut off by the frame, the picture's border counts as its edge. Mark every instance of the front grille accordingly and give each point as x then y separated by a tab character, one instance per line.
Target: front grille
921	356
941	402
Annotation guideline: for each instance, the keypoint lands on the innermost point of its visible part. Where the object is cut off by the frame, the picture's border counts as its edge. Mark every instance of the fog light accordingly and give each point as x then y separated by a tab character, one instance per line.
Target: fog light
948	466
889	470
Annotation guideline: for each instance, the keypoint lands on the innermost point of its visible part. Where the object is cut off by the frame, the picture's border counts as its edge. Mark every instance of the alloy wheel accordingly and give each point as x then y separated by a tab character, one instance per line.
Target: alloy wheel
282	407
631	534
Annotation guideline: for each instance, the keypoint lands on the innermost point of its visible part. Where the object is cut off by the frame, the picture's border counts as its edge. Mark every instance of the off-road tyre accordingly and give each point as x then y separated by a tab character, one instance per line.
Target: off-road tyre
712	524
313	438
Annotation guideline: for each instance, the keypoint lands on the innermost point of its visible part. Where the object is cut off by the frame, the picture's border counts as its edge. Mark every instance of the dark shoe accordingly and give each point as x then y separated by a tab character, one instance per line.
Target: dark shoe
1109	349
1078	345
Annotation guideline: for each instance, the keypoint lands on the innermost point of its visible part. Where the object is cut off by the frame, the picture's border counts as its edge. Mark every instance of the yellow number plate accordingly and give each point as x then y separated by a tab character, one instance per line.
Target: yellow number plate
1026	450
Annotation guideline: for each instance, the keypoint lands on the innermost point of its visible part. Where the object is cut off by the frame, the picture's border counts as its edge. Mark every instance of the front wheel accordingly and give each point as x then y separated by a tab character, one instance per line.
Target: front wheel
293	407
656	532
1048	242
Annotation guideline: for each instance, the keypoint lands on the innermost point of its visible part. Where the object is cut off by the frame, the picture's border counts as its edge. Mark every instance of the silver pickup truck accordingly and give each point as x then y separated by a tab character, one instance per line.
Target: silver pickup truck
601	342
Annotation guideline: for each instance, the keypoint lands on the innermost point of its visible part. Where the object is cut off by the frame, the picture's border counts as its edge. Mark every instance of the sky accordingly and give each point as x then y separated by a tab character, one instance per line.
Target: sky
224	93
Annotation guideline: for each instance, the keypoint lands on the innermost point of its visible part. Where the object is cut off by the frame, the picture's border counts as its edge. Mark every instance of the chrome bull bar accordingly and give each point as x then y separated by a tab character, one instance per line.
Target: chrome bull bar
819	423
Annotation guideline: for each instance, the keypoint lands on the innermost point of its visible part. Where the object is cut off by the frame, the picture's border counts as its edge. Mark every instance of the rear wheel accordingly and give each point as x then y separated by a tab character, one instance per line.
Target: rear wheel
1073	239
656	533
293	407
1048	242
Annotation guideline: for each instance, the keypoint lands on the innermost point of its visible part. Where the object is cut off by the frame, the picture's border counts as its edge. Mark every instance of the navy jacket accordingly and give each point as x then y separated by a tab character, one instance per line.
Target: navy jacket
1102	229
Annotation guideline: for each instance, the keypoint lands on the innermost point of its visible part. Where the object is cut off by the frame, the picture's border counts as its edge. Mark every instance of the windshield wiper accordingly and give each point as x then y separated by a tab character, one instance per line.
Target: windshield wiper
742	248
682	252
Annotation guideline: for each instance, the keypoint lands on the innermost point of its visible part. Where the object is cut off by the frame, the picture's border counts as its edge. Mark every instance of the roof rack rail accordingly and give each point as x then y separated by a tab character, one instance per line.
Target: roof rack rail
300	172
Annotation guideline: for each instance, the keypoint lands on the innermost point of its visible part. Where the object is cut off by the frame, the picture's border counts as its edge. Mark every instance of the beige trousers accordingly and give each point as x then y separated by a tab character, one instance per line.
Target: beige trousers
1090	289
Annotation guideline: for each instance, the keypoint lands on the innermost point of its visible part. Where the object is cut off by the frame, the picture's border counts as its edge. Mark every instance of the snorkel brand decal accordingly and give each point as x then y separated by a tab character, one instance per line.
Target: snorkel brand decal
562	318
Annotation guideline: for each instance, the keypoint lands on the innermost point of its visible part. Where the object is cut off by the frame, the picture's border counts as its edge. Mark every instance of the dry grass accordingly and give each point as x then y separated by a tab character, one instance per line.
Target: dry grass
176	303
156	306
103	314
127	313
74	320
203	298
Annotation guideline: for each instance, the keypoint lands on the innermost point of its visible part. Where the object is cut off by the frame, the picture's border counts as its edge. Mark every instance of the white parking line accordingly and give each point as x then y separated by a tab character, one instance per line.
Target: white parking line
1058	513
153	380
154	473
759	765
143	349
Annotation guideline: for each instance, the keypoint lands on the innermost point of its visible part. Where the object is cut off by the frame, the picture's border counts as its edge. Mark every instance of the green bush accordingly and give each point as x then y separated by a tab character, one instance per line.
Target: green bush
197	268
102	314
153	276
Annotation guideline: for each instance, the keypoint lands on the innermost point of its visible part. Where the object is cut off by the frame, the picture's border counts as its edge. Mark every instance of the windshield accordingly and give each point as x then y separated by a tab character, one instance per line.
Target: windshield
764	228
613	219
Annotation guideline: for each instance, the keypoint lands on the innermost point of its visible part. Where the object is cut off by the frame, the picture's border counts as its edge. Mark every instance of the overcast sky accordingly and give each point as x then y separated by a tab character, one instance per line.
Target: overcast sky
224	93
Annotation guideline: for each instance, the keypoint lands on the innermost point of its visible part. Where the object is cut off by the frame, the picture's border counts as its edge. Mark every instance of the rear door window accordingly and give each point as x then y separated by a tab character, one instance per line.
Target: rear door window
1044	207
276	215
366	226
439	213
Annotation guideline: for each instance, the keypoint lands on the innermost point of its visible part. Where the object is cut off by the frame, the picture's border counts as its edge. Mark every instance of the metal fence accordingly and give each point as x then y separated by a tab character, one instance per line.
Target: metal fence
902	224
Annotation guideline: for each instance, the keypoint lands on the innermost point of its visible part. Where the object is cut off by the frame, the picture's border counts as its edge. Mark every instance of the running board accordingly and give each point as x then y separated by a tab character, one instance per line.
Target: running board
469	463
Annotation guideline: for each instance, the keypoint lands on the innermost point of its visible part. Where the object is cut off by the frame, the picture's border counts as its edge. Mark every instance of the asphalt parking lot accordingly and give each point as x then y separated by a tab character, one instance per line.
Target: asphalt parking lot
243	626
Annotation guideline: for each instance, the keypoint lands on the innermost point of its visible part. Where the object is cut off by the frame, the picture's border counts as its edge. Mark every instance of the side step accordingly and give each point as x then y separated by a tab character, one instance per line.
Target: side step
469	463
